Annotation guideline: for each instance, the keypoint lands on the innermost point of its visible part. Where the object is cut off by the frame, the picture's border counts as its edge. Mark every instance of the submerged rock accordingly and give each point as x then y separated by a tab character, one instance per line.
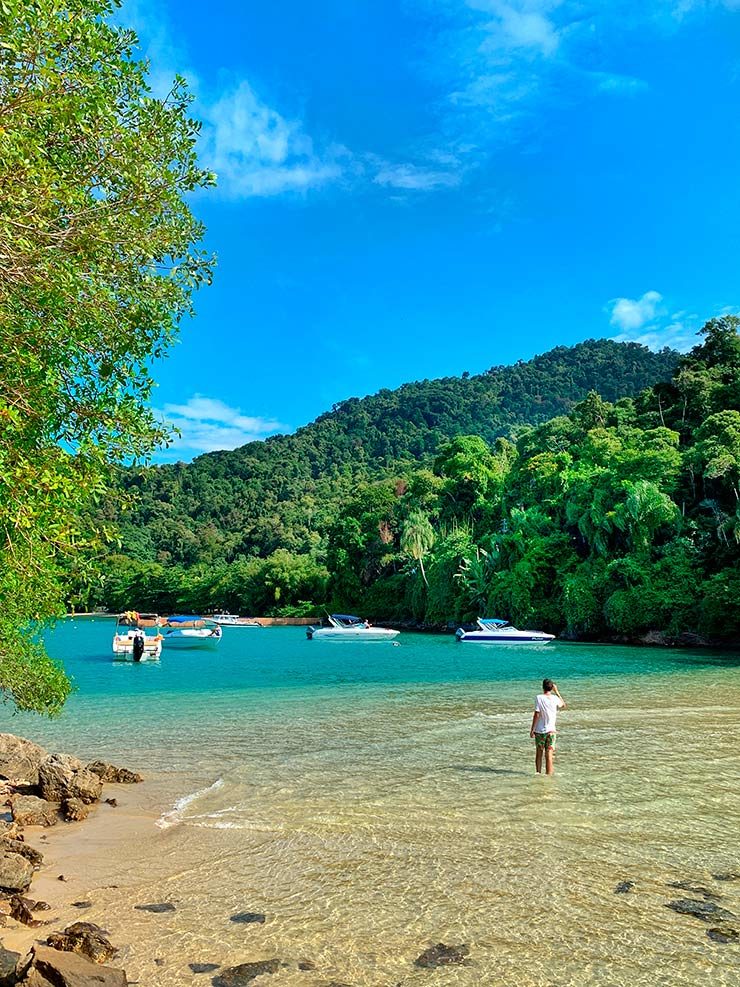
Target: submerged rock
306	965
162	906
693	888
723	934
62	777
15	872
442	955
245	973
8	966
50	968
704	910
248	918
82	904
624	887
111	774
204	967
28	810
727	876
85	938
20	759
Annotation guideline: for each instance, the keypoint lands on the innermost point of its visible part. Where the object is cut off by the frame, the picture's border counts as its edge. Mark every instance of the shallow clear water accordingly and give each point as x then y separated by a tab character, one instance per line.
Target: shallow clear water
373	799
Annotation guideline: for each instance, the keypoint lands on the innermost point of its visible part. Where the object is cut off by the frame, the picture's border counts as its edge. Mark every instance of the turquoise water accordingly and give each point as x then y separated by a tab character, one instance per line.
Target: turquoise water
373	799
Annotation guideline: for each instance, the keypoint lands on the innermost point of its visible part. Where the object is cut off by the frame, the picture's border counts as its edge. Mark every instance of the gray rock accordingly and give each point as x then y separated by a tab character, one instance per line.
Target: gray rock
705	910
248	918
28	810
111	774
8	965
162	906
723	934
52	968
245	973
624	887
204	967
86	939
442	955
20	759
62	777
15	872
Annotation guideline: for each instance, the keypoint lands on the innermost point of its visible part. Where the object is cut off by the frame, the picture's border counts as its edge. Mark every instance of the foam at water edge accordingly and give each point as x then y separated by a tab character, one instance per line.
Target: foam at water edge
174	815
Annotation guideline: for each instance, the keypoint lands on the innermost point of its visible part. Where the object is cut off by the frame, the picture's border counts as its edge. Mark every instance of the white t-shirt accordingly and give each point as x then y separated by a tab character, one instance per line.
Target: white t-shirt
547	705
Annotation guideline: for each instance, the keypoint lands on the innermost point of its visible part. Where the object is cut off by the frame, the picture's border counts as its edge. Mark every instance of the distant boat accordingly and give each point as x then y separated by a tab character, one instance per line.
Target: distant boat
232	620
190	631
345	627
137	637
493	631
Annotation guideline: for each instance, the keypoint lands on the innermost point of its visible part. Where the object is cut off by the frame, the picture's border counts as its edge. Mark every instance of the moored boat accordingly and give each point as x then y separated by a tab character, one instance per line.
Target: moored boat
345	627
190	631
232	620
491	630
137	637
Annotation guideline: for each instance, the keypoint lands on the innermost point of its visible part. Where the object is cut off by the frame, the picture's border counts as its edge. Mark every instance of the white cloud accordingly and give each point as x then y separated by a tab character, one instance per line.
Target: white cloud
411	177
207	424
629	314
520	24
257	152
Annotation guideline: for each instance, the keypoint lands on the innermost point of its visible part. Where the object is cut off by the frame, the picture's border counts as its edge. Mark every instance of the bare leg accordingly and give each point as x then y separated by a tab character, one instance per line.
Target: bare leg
549	766
538	759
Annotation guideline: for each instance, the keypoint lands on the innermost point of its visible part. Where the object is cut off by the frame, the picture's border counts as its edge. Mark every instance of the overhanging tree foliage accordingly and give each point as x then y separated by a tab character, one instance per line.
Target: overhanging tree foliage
97	265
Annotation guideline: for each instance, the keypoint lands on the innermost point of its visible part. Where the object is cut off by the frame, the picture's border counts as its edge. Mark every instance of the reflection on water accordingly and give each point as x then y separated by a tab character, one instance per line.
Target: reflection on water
399	808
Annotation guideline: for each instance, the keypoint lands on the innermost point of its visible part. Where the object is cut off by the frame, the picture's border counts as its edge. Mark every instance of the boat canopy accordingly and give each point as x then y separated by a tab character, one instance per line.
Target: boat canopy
346	618
493	621
183	618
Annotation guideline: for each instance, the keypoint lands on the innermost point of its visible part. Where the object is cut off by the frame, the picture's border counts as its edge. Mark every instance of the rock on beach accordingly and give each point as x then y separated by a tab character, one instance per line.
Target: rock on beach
51	968
15	872
20	759
85	938
245	973
62	777
29	810
109	773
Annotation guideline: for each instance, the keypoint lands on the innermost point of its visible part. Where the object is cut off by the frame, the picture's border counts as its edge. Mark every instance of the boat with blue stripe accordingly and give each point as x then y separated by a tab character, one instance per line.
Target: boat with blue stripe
491	630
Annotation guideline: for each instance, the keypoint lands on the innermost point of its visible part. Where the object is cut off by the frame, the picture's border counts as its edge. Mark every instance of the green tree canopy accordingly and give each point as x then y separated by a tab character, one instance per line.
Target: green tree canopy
97	265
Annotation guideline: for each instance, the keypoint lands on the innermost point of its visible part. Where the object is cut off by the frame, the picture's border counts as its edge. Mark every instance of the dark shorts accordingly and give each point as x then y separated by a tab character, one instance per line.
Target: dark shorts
545	740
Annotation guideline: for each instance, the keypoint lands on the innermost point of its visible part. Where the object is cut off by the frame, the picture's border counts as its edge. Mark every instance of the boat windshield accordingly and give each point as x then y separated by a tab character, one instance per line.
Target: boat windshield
347	620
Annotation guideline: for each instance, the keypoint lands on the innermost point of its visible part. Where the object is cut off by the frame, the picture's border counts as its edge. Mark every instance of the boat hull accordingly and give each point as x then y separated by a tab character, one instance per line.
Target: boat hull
351	634
479	637
190	638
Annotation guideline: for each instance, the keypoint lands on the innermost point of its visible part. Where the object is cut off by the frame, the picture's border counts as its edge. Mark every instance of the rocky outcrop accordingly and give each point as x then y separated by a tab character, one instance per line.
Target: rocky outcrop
34	857
109	773
28	810
86	939
63	777
15	872
245	973
20	759
51	968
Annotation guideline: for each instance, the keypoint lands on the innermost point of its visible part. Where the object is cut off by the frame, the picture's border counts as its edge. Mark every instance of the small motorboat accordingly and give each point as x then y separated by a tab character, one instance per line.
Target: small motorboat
137	637
232	620
490	630
345	627
190	631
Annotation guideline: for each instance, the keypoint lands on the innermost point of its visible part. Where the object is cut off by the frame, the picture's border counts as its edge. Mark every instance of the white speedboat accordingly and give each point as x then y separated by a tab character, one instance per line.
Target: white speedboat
490	630
137	637
344	627
189	631
232	620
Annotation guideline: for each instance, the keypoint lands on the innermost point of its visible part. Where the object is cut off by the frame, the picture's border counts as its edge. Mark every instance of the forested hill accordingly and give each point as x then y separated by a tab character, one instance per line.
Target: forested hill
284	492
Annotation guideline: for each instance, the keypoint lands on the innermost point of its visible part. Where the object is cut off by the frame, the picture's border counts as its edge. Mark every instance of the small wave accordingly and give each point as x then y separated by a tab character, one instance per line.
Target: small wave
174	815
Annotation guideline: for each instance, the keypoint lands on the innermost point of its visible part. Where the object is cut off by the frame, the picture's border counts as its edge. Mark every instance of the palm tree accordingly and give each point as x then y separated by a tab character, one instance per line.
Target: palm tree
417	539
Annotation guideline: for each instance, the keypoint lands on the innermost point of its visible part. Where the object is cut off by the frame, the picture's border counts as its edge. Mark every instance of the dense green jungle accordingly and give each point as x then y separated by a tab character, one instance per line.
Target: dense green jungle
591	491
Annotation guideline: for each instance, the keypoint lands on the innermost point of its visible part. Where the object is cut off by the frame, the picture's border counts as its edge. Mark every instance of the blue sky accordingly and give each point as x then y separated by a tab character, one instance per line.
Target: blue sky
417	188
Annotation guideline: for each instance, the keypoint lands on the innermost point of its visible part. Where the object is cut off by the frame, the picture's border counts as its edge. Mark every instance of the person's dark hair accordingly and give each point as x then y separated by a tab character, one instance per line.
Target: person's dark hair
547	685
